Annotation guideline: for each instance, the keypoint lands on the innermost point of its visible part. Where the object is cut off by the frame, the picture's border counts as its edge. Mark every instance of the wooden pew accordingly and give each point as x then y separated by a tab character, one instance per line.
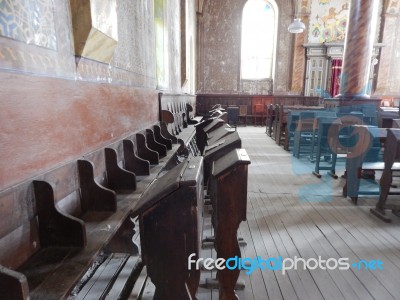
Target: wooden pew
270	119
57	225
66	202
327	135
391	159
228	191
363	157
217	150
182	108
170	214
303	131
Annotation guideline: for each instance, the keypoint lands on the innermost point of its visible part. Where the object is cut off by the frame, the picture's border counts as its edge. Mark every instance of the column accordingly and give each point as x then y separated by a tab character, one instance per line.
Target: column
358	48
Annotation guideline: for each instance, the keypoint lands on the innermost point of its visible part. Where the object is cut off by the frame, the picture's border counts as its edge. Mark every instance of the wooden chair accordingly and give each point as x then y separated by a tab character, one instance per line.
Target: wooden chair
303	132
243	114
233	115
270	119
370	114
259	114
281	123
327	134
319	115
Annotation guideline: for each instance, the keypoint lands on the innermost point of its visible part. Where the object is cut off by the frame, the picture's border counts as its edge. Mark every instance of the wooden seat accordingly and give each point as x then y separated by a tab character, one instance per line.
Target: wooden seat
319	115
364	152
170	214
228	191
326	146
233	115
391	159
259	114
270	119
348	120
278	124
303	132
55	226
292	117
242	114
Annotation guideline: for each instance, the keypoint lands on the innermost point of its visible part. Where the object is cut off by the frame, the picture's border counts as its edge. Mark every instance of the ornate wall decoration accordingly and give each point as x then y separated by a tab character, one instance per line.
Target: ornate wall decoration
95	28
305	6
29	21
328	21
393	7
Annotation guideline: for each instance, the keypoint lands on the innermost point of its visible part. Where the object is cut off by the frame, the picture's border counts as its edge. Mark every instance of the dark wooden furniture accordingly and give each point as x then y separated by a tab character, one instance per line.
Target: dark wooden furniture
270	116
303	131
233	115
327	134
363	156
285	122
279	124
170	217
205	102
228	191
177	110
217	150
56	226
202	130
242	114
259	114
391	160
320	114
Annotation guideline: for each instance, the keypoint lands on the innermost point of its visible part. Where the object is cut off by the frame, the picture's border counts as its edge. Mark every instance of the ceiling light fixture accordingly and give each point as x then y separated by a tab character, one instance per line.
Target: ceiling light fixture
297	26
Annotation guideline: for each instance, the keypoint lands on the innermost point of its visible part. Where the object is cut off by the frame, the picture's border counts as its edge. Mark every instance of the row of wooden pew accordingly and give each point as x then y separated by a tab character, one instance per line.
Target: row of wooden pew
351	131
58	228
225	178
55	226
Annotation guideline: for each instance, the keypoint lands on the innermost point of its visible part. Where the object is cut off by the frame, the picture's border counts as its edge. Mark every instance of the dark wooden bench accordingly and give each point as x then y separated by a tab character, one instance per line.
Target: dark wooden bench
364	158
170	214
228	191
177	110
56	226
391	159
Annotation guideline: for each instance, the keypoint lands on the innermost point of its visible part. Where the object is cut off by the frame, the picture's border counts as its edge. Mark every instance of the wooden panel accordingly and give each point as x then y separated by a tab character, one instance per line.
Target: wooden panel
26	239
10	208
48	121
205	102
65	180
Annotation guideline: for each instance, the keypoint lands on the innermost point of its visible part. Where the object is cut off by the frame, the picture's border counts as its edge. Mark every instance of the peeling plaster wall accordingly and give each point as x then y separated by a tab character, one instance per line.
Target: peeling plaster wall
388	73
219	41
173	24
55	107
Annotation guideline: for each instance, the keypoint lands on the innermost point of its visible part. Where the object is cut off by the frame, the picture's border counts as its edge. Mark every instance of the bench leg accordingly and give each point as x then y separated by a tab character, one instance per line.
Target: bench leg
166	245
227	247
385	182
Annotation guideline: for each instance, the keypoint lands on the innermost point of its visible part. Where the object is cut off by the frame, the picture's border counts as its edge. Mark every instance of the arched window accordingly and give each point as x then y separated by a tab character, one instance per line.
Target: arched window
259	28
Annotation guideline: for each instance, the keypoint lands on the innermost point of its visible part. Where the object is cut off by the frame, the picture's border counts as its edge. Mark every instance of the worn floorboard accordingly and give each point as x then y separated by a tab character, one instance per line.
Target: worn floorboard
292	213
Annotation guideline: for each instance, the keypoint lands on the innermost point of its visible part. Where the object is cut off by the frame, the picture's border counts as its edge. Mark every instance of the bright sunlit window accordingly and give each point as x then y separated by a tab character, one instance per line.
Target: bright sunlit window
258	39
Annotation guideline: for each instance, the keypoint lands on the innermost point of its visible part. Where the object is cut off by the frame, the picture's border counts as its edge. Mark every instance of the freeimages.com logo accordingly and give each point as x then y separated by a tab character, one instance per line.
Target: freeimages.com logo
282	264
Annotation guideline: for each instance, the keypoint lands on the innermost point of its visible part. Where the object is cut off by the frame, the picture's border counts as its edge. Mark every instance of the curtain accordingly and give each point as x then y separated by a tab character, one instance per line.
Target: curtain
335	76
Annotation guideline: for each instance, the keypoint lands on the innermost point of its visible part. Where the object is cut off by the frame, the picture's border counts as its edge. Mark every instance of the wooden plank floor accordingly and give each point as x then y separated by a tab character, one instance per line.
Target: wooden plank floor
292	213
